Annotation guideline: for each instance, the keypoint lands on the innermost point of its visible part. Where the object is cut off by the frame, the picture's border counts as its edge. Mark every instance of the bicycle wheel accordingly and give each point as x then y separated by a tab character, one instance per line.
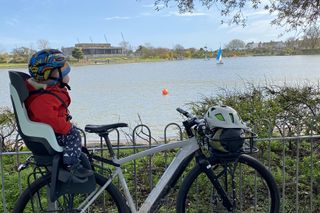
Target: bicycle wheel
249	186
35	199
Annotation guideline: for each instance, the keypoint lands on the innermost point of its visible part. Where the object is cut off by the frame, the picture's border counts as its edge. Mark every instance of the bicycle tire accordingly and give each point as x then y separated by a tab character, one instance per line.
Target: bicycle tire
197	182
23	203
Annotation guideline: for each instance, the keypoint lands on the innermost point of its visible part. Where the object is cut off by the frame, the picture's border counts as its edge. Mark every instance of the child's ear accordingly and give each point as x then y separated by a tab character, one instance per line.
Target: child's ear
54	73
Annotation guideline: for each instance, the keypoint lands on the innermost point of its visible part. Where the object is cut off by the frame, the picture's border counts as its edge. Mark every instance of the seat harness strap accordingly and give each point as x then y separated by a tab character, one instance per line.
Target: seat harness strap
43	91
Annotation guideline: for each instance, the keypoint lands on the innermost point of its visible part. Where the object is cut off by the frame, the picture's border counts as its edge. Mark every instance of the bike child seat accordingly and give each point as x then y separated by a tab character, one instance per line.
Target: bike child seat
41	141
38	137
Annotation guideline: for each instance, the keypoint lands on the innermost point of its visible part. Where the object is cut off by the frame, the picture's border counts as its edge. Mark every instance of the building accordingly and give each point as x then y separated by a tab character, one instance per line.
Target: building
94	50
270	44
252	45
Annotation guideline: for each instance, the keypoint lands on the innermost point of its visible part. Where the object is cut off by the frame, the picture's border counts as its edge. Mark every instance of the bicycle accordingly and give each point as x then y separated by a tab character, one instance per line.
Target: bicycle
219	182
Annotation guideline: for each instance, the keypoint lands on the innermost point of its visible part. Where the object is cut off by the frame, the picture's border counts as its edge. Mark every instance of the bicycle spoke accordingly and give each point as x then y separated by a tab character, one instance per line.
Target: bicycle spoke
36	199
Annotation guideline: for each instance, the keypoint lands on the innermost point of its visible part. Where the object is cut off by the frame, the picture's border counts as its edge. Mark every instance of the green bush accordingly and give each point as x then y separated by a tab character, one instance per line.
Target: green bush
274	111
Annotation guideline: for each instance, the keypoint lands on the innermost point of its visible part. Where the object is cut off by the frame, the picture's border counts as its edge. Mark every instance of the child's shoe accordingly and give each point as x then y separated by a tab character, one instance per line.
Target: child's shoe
79	171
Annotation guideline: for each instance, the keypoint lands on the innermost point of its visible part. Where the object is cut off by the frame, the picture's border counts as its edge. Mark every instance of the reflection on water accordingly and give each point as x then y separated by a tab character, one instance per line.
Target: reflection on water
119	93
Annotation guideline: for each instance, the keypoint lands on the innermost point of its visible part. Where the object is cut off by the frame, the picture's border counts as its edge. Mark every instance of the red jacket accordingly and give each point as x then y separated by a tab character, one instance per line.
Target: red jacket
46	108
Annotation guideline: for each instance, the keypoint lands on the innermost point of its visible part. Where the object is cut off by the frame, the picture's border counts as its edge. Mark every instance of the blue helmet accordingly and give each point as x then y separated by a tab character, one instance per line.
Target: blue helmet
43	62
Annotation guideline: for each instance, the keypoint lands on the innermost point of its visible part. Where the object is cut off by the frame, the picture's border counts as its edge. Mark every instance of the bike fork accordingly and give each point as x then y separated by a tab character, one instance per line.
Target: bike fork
206	168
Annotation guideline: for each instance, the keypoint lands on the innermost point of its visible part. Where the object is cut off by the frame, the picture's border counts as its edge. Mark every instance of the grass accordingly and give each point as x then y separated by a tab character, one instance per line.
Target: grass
11	66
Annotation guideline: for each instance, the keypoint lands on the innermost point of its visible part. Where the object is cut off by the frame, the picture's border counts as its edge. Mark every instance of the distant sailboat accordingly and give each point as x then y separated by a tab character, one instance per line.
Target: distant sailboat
219	56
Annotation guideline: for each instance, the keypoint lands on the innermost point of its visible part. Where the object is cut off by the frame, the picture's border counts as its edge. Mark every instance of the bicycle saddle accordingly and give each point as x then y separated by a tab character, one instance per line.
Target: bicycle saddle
91	128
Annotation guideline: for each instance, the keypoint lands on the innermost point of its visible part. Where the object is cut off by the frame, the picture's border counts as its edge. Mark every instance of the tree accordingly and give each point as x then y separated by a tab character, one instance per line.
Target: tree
43	44
293	14
311	38
8	130
179	50
4	57
162	53
77	53
235	44
146	51
21	54
291	42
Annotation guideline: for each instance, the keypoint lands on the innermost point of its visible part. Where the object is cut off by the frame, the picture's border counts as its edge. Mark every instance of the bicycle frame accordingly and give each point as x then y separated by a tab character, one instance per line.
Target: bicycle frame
187	148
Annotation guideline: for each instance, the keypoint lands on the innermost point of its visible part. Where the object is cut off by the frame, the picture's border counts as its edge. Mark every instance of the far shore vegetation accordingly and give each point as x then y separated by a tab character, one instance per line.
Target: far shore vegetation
308	44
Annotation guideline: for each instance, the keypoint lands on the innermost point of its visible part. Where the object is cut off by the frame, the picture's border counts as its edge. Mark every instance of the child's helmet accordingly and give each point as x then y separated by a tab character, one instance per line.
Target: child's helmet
223	117
43	62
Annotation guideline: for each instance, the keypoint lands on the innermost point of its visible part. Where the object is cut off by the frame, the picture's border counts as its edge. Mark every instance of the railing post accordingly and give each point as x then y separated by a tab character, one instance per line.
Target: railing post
314	121
270	129
134	151
166	152
2	176
166	141
18	162
297	169
283	168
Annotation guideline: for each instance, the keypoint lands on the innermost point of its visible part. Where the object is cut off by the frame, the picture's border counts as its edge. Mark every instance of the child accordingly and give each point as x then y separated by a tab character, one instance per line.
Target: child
48	103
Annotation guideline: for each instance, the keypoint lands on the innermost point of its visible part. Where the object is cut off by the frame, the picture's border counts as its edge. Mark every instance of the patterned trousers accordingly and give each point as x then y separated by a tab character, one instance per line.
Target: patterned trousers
72	146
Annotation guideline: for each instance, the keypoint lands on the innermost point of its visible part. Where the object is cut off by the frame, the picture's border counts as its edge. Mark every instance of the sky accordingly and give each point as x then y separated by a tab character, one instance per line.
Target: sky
64	23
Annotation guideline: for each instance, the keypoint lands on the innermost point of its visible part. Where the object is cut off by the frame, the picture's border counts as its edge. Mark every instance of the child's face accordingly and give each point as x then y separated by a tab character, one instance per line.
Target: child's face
65	79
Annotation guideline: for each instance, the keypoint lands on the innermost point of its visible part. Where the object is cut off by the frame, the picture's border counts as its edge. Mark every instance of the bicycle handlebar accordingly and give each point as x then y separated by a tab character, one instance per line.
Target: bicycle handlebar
185	113
190	122
191	117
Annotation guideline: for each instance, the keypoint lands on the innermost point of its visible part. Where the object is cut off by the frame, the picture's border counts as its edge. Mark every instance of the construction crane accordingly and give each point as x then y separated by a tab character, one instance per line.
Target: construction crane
124	44
122	37
105	38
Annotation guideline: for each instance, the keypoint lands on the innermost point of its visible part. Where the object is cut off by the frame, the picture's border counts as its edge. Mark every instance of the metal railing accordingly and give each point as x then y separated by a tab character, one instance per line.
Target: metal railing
294	162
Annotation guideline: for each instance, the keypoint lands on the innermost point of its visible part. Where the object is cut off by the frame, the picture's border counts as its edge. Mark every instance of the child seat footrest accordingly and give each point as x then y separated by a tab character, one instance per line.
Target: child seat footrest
66	176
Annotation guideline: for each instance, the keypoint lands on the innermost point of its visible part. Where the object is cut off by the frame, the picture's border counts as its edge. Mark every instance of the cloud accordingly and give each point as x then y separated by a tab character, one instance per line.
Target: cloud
187	14
117	18
148	5
259	26
256	13
12	21
146	14
260	30
13	40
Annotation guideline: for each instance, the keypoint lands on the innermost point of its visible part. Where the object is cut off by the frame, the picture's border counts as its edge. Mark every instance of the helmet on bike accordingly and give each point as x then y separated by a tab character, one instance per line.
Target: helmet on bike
227	140
223	117
43	62
226	128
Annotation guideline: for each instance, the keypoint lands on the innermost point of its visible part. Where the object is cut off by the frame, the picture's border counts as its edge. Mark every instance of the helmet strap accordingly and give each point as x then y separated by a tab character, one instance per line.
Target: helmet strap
62	84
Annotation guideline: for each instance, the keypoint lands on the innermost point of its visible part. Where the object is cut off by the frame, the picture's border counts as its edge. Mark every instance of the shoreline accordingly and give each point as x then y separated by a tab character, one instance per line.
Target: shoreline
93	62
4	66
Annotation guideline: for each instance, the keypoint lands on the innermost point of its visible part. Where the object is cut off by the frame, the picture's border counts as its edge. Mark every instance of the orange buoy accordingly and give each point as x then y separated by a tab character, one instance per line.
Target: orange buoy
165	92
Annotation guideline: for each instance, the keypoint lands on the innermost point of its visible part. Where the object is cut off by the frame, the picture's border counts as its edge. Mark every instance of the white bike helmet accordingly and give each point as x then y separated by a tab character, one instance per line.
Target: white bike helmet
223	117
227	129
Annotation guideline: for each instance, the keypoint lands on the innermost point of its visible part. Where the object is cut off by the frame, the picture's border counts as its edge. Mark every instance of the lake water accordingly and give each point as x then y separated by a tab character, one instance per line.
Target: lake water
104	94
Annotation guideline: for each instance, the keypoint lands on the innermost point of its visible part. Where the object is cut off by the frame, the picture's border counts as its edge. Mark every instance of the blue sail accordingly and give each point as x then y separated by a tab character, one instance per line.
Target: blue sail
219	56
